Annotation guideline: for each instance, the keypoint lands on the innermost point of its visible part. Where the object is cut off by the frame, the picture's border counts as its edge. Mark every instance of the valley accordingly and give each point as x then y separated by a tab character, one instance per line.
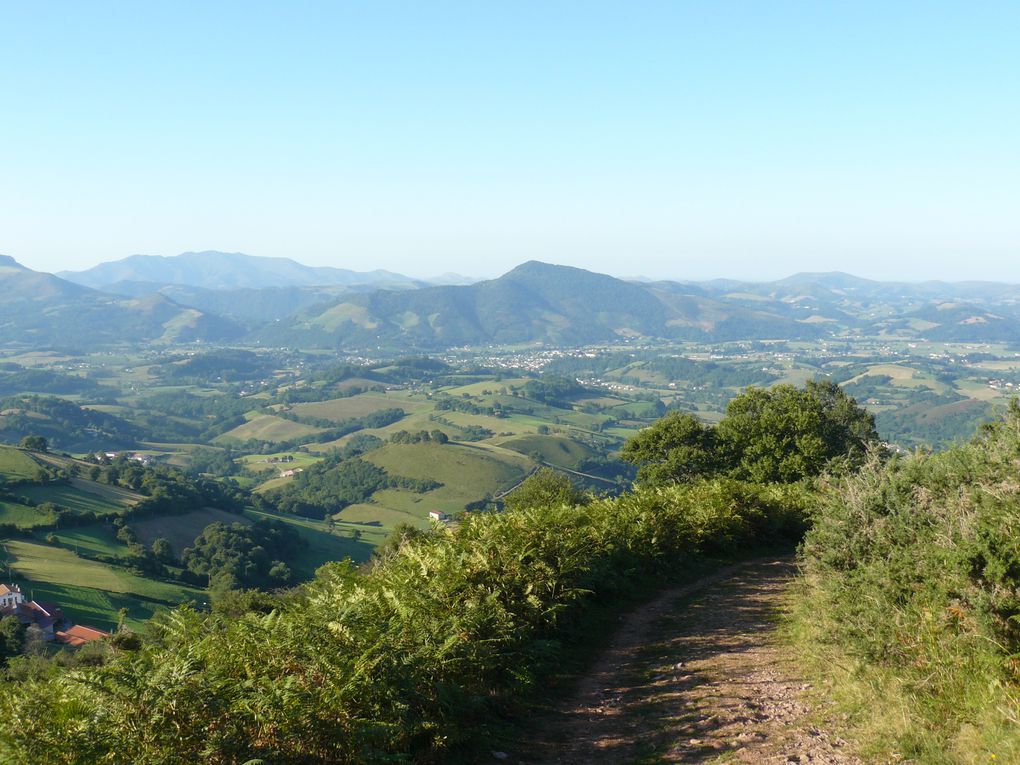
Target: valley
218	471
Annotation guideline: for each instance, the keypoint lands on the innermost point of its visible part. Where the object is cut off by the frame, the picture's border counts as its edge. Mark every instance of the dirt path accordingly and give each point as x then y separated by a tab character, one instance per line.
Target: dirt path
695	676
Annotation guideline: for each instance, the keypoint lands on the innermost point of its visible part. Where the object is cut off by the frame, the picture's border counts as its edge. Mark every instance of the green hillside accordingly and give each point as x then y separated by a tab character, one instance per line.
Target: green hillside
469	474
89	591
533	302
17	464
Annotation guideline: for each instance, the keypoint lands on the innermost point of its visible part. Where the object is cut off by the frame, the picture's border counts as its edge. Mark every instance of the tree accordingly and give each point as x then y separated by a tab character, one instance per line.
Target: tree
12	638
785	433
35	443
401	534
163	550
780	434
544	487
676	449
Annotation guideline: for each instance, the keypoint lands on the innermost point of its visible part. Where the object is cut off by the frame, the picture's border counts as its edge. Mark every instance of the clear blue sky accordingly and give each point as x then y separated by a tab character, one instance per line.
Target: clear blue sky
672	139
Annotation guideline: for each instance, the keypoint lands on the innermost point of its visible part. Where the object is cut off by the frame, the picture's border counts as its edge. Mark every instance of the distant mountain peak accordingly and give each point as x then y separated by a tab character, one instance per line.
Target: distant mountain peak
211	269
7	261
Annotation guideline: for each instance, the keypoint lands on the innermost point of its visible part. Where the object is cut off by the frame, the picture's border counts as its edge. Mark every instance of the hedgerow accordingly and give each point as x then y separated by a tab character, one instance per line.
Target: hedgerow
408	661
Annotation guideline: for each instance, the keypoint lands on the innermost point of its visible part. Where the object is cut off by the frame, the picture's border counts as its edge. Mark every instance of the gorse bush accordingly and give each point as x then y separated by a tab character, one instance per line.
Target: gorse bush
405	662
914	567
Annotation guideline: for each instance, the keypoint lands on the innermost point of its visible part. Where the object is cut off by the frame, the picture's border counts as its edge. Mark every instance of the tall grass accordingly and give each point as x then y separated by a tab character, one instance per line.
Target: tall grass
409	661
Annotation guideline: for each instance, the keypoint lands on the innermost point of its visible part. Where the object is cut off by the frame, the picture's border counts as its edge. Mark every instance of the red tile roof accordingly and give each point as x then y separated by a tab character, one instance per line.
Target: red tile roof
79	635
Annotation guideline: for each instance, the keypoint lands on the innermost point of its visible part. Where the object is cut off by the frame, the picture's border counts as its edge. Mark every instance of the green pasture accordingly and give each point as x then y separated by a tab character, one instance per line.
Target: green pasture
468	473
556	450
23	516
340	409
95	539
266	427
17	464
88	591
260	463
324	546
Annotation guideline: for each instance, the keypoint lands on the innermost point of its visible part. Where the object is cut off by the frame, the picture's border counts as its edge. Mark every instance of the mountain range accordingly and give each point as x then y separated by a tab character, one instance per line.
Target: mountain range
236	298
39	309
213	270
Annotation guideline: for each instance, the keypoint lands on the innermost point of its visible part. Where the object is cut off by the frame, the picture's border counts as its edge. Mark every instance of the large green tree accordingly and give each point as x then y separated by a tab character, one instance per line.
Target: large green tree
786	433
778	434
677	449
544	487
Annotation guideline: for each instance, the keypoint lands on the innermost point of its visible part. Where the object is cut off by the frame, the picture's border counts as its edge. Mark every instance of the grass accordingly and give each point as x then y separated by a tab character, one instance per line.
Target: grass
17	464
114	494
879	710
266	427
89	591
259	462
97	539
468	474
340	409
324	546
556	450
71	497
22	516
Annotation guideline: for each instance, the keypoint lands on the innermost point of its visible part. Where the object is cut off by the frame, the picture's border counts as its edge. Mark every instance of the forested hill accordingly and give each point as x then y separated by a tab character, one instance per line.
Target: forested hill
533	302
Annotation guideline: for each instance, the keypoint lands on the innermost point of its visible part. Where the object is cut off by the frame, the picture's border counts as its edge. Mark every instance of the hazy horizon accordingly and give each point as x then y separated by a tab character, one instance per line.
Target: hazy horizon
684	141
479	276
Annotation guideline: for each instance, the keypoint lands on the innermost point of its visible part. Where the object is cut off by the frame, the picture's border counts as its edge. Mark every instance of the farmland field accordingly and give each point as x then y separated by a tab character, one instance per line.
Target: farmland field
468	474
341	409
324	546
85	588
266	427
74	498
555	449
23	516
17	464
95	539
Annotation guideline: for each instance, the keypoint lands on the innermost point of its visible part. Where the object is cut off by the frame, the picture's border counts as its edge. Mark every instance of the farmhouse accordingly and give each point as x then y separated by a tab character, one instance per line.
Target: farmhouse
438	515
79	635
48	617
10	596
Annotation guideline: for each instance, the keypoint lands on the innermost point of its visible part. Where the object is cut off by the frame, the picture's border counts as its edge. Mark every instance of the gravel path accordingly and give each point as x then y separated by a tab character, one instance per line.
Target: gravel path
695	676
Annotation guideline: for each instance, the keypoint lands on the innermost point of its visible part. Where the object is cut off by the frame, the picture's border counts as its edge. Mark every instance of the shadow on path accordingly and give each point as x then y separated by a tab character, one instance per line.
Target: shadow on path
690	677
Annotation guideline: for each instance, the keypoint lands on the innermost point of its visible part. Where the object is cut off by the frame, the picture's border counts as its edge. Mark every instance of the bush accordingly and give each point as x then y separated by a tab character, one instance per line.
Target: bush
405	662
918	563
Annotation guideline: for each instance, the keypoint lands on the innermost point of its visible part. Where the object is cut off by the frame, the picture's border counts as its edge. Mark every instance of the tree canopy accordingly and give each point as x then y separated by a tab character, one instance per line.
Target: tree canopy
544	487
780	434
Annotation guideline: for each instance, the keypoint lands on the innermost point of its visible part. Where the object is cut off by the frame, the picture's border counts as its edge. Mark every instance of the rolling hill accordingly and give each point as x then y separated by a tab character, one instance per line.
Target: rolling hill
38	309
535	302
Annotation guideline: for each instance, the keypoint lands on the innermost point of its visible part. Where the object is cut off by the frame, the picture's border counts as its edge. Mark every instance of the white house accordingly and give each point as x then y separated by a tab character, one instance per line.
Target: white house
10	596
438	515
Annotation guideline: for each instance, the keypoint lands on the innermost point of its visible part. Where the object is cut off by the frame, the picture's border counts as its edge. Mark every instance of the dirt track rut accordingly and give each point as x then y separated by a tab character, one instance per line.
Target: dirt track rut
695	676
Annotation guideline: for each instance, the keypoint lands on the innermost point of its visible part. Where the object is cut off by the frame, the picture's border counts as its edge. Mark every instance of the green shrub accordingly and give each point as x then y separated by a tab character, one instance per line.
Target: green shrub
915	568
405	662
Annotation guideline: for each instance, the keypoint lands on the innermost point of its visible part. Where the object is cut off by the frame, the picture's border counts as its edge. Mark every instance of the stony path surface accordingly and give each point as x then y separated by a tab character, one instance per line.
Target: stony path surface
695	676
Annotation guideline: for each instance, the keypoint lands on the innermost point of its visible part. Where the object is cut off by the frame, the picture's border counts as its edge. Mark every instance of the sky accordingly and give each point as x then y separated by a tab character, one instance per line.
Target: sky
679	139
